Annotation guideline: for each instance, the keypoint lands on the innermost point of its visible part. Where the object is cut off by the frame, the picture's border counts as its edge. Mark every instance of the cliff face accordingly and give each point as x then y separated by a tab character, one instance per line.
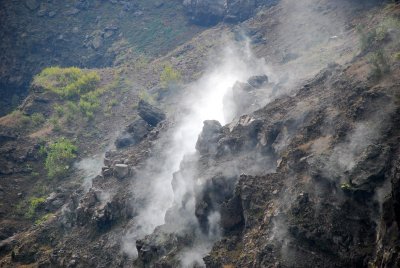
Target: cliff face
323	189
278	150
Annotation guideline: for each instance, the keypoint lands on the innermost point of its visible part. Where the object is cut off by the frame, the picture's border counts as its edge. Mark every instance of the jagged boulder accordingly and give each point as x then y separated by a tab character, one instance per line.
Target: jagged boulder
258	81
370	170
133	134
152	115
241	99
232	214
208	139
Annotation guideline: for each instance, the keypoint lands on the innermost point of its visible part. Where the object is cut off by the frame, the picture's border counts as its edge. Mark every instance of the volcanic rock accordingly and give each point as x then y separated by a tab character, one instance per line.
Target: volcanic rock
150	114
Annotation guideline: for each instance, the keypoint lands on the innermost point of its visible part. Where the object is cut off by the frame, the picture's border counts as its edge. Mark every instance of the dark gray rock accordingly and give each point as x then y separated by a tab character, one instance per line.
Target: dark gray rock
258	81
97	42
208	139
371	168
242	98
232	214
150	114
133	134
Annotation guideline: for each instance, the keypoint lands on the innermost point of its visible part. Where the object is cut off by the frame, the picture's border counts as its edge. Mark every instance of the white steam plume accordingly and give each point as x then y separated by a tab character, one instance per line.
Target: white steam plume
203	101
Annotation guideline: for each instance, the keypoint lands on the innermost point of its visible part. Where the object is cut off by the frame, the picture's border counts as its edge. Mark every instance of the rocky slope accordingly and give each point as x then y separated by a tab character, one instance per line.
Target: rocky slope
304	173
89	34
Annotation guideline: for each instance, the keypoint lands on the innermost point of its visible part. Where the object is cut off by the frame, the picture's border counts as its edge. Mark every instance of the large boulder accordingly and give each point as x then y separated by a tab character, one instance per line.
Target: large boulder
150	114
241	99
133	134
208	140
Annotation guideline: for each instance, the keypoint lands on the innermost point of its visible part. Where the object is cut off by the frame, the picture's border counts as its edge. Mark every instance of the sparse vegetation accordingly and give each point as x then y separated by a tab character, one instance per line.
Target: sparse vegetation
44	218
59	109
396	56
68	83
72	84
373	37
33	205
29	122
89	103
144	95
37	119
170	76
60	155
379	63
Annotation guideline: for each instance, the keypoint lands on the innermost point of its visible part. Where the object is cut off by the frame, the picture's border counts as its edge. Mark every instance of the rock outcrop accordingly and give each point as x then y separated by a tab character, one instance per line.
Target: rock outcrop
133	134
209	12
301	204
152	115
242	98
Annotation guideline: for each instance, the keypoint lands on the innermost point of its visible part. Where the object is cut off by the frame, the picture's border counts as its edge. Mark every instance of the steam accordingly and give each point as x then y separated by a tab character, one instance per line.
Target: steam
90	167
203	101
347	154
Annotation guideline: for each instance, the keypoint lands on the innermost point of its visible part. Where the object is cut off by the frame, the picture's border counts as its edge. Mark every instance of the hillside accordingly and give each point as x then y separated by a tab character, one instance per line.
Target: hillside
200	133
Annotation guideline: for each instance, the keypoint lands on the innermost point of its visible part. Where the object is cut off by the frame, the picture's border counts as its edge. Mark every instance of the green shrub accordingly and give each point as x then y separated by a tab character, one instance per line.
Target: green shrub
72	111
396	56
33	204
379	63
60	156
144	95
56	123
59	110
366	38
67	82
37	119
113	103
170	77
44	218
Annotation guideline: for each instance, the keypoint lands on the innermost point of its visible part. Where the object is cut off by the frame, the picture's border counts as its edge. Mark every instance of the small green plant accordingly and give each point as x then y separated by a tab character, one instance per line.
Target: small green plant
44	218
396	56
89	104
170	76
33	205
71	112
60	156
379	63
113	103
37	119
345	186
56	124
144	95
59	109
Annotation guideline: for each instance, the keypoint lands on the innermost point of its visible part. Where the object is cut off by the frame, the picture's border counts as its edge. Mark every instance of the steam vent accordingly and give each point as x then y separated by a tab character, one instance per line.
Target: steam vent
200	133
